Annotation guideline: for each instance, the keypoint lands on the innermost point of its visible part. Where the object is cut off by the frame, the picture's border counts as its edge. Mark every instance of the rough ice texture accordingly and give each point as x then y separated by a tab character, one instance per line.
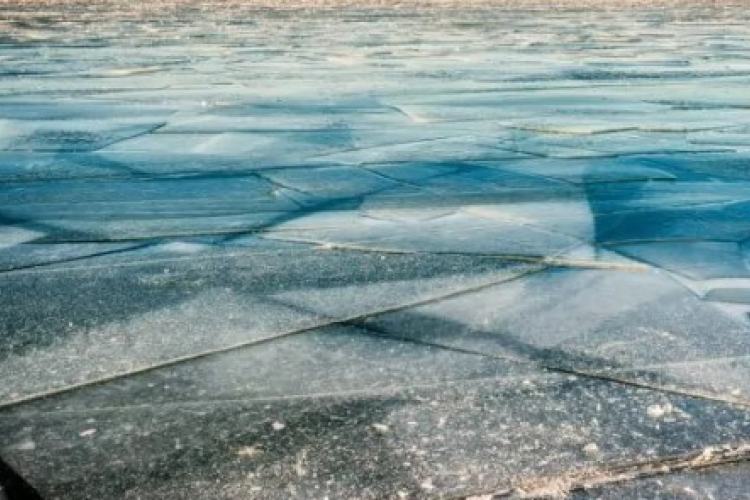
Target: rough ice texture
369	249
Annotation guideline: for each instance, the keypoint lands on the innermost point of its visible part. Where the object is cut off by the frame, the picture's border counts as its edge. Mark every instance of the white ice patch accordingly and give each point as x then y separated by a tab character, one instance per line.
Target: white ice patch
11	236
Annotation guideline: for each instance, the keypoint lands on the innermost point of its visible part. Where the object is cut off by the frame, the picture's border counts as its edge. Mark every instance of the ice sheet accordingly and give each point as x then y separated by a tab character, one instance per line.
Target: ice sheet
259	249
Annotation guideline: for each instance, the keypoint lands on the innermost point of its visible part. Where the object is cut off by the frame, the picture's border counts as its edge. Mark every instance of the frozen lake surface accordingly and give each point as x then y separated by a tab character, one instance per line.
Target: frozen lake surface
369	252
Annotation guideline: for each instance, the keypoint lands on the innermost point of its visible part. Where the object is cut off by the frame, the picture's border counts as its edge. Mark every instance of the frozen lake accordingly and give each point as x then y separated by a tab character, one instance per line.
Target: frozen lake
370	251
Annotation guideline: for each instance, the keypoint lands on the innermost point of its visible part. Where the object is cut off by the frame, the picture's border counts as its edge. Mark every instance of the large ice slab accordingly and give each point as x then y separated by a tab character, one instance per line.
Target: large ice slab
131	312
595	321
461	438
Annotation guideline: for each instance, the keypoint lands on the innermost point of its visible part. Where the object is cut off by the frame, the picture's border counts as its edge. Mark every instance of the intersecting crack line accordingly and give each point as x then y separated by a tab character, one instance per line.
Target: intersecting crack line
262	174
90	92
677	276
386	145
100	146
77	258
458	170
371	393
313	246
723	359
588	374
542	487
22	182
561	180
477	210
611	244
141	174
600	154
362	322
269	338
558	131
547	260
324	206
248	130
263	198
364	244
369	168
229	232
232	252
332	206
375	332
682	206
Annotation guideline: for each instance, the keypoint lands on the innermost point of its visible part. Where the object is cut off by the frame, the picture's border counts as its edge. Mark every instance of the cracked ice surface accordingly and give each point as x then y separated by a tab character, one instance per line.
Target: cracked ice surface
369	251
